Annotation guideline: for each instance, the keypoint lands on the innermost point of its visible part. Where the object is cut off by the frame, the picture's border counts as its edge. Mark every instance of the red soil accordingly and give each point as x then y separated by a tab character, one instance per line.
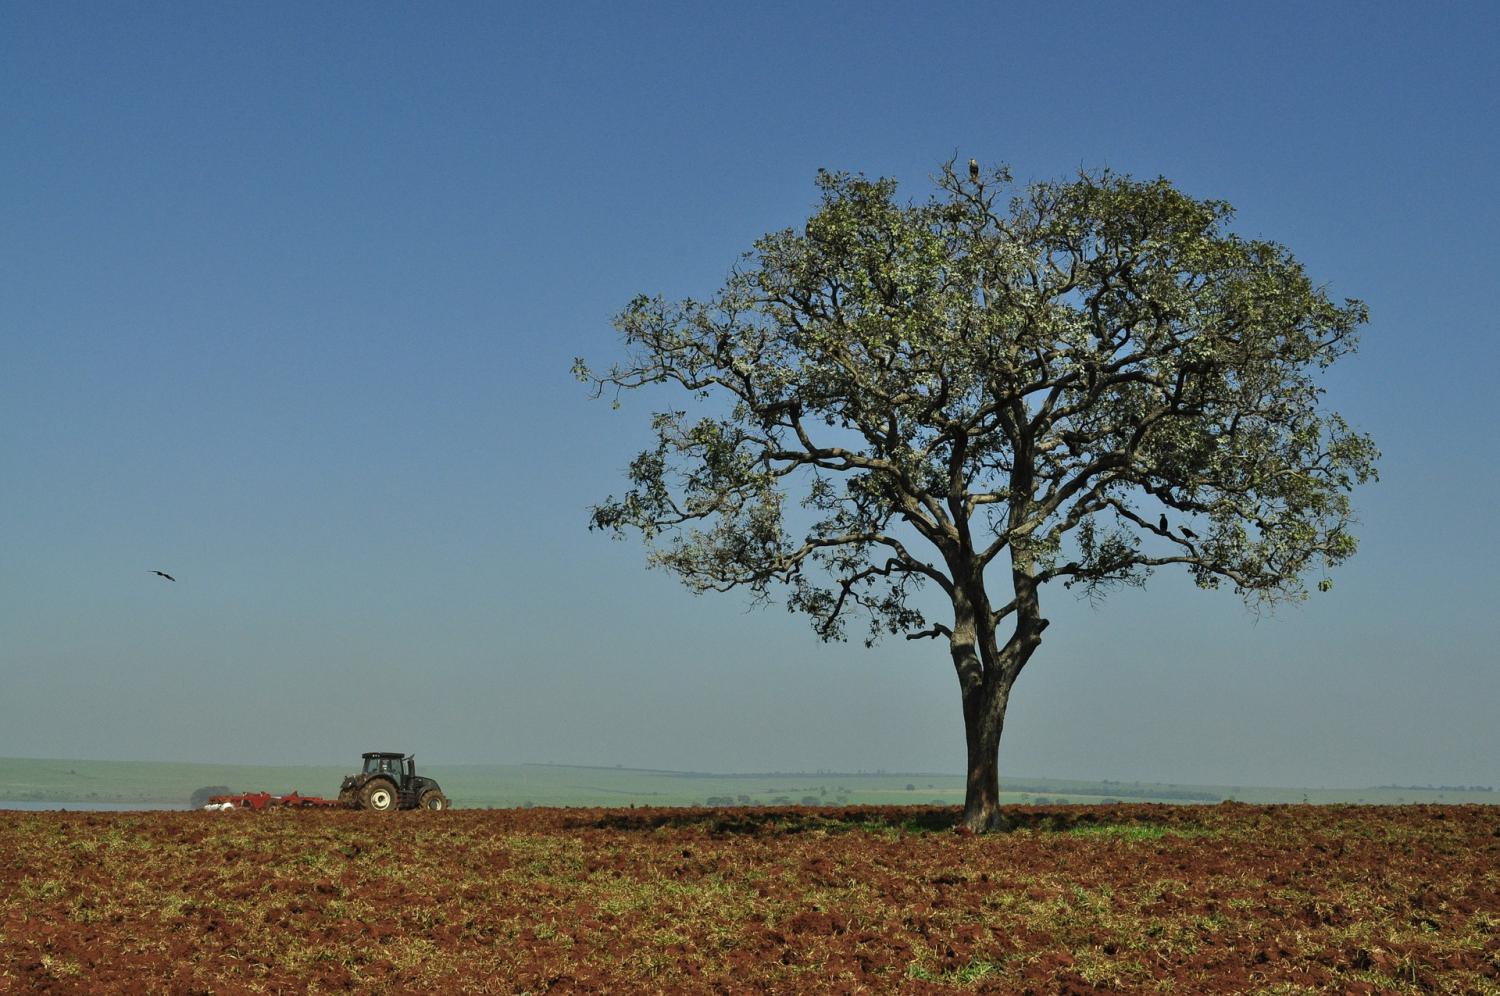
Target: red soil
1131	898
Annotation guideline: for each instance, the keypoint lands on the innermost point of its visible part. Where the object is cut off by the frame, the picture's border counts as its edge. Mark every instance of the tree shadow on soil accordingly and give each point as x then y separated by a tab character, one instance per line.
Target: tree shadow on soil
774	820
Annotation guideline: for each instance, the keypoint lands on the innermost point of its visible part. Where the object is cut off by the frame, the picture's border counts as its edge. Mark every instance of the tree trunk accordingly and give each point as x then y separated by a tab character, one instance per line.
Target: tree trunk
987	670
984	719
986	673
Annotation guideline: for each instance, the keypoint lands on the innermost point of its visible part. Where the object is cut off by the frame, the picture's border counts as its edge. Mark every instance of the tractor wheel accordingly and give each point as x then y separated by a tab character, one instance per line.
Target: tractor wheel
434	800
379	796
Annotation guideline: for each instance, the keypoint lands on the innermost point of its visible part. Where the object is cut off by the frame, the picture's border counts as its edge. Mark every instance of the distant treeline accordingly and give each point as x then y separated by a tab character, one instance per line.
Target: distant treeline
1437	788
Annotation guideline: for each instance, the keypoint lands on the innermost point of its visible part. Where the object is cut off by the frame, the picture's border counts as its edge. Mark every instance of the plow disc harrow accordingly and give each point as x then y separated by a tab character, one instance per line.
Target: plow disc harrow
265	800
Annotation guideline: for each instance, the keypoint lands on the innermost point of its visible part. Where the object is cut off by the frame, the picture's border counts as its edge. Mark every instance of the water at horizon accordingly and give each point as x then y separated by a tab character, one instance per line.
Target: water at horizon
29	805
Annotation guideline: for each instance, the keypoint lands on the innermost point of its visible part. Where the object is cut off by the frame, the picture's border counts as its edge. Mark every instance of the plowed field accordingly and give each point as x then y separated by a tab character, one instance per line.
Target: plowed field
1228	898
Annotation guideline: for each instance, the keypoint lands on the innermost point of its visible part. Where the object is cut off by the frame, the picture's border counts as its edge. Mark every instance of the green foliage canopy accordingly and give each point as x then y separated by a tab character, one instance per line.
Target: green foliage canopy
1092	377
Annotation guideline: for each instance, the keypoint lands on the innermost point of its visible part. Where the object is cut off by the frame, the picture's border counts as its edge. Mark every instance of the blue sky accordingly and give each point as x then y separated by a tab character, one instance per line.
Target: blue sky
289	294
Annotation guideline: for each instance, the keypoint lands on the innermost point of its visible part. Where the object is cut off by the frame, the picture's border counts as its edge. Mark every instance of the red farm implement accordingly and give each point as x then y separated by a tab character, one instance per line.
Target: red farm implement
265	800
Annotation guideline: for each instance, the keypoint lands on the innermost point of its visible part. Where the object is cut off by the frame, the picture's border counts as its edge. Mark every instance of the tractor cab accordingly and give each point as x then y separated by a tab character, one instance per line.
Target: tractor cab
398	767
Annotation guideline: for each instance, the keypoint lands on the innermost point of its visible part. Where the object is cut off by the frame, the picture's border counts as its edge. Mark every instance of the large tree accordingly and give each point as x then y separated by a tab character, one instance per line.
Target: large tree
984	393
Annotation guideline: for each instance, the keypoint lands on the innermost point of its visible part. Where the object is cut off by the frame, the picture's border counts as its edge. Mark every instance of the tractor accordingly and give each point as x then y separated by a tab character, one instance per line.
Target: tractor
388	782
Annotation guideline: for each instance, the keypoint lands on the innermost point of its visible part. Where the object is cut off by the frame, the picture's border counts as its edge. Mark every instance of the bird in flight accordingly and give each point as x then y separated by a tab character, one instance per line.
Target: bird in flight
164	574
974	170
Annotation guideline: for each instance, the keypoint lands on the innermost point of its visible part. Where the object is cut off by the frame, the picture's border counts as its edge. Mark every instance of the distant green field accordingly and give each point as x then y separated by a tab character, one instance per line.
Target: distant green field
495	785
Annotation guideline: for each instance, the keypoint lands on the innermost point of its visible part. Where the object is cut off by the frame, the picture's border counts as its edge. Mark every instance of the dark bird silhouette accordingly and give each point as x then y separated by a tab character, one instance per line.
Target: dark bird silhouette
165	575
974	170
1163	524
1189	533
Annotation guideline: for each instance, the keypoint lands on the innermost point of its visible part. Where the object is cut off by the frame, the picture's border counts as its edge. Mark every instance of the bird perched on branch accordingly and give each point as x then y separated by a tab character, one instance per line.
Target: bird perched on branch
974	170
1163	524
1189	533
164	574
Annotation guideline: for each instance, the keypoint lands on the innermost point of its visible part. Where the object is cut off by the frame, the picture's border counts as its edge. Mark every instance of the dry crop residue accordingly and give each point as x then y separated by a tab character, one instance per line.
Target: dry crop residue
1125	898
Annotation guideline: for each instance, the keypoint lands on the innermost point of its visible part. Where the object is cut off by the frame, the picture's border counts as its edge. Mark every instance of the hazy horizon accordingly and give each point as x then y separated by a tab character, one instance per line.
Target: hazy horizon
289	298
1014	777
